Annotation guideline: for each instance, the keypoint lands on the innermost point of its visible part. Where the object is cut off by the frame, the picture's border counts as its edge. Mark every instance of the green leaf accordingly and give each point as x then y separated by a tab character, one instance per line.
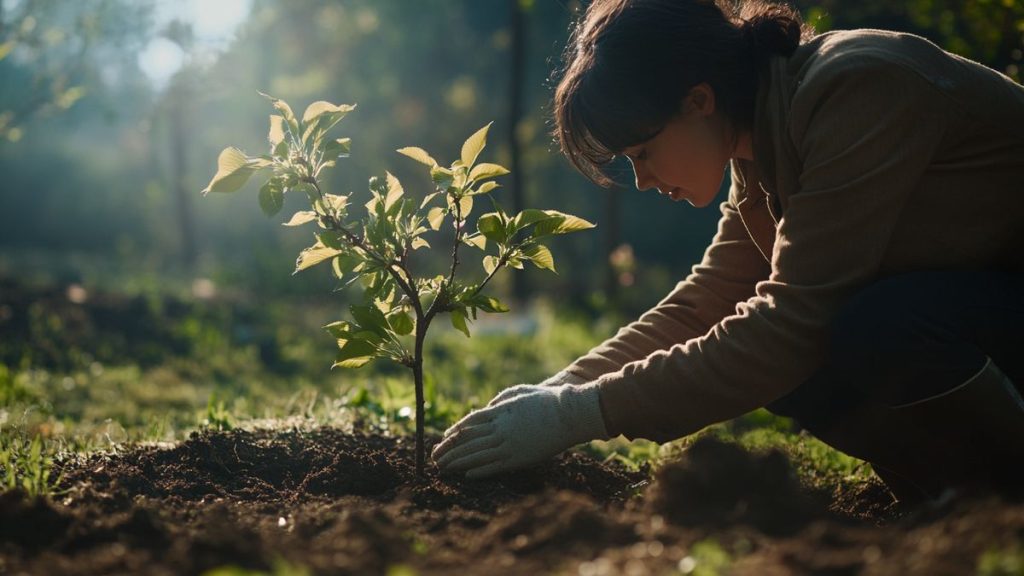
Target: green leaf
487	303
233	171
528	217
370	318
338	148
401	323
490	263
271	198
459	320
560	223
418	154
486	170
418	243
492	228
331	239
314	255
344	264
473	145
436	217
340	329
442	177
355	353
540	256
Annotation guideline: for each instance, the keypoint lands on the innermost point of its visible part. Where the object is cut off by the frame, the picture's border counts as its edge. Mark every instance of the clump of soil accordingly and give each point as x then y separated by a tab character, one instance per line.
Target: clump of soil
718	484
337	503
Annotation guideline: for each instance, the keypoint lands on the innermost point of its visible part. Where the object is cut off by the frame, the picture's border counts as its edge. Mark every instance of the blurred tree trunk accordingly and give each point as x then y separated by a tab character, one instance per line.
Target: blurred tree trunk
515	113
179	96
613	238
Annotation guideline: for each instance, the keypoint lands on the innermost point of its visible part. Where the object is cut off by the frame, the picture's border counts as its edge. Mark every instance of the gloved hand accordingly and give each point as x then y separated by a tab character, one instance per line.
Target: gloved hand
558	379
523	430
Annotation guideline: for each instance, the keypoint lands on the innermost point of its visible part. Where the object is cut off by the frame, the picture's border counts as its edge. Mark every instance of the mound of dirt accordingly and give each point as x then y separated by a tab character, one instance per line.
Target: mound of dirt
336	503
719	484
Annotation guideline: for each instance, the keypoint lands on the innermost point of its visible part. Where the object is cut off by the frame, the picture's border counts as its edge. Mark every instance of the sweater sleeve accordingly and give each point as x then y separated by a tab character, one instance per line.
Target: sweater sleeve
866	130
730	268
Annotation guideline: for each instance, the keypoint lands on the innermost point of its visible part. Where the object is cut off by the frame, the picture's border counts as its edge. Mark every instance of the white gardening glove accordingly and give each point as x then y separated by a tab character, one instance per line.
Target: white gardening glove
558	379
522	431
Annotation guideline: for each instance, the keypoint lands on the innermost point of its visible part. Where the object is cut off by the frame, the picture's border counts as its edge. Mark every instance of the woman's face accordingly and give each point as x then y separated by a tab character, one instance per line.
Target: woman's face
688	158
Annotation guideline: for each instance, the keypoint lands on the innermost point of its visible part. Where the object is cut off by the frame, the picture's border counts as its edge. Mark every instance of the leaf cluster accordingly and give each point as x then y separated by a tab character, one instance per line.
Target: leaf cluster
375	245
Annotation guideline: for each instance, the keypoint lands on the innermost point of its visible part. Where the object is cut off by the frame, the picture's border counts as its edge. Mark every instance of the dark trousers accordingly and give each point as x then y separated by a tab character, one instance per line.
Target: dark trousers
911	337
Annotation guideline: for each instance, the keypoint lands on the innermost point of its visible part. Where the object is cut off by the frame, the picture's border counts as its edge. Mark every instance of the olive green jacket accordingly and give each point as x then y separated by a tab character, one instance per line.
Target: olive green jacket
875	153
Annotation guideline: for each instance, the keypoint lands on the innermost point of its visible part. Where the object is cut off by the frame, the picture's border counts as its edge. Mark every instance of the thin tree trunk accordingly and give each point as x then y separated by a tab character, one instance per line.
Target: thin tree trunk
417	373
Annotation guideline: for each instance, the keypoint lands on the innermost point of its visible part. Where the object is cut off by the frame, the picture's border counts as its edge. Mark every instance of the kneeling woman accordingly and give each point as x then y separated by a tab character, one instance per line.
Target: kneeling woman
867	277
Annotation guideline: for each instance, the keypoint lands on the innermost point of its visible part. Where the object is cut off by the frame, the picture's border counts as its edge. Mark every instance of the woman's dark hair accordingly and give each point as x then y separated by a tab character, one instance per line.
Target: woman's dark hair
629	64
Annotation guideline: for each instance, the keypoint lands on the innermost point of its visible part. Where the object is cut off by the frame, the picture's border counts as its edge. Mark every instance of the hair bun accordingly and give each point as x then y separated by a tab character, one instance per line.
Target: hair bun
774	30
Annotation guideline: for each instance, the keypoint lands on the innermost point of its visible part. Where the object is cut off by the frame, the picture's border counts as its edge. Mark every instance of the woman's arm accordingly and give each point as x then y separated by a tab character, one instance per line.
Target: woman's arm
731	266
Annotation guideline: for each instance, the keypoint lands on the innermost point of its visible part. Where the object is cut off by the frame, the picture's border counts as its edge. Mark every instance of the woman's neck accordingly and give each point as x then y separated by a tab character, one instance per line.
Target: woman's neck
744	147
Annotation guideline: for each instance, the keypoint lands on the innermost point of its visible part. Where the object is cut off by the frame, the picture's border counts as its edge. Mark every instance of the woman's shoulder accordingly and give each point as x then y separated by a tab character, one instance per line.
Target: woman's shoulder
865	51
901	64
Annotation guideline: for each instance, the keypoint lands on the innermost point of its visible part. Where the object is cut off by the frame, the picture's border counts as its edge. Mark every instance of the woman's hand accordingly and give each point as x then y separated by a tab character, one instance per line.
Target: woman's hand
527	426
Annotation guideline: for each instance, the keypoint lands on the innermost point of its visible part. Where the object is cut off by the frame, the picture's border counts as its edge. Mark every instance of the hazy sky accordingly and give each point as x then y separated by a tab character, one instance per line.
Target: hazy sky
213	23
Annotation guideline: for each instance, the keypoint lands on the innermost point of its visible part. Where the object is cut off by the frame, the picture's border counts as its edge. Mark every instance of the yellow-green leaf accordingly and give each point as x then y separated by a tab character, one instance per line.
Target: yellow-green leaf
276	135
435	217
540	256
473	145
418	243
476	240
485	170
320	107
561	223
233	171
485	188
300	218
465	206
490	263
286	111
395	191
314	255
335	202
418	154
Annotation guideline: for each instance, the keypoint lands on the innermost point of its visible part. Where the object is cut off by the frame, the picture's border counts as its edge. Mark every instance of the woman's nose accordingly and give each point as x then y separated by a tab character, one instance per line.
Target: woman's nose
643	179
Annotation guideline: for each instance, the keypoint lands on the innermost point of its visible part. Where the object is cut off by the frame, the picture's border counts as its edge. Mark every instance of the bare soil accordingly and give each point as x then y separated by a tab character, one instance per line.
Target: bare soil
339	503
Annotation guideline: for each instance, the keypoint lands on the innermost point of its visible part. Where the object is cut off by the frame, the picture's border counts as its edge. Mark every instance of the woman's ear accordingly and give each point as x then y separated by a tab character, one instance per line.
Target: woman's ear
700	99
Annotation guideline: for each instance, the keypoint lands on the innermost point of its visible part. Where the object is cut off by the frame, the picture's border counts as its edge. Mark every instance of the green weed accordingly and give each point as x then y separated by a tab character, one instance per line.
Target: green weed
27	465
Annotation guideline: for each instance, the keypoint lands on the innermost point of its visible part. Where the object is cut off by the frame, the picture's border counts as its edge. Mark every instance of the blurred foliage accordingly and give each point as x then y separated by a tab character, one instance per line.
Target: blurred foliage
96	188
54	53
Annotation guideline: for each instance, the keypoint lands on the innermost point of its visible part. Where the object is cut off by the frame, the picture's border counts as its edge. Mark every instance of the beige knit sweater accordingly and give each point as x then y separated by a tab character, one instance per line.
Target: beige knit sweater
874	153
